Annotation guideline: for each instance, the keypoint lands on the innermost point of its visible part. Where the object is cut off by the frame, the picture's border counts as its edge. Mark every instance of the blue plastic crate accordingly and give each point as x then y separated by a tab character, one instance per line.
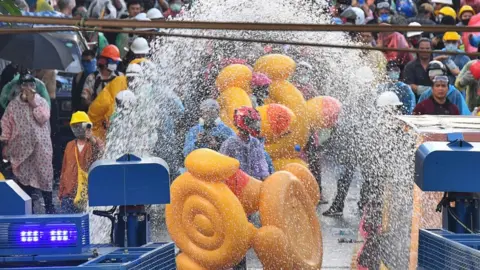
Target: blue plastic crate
440	249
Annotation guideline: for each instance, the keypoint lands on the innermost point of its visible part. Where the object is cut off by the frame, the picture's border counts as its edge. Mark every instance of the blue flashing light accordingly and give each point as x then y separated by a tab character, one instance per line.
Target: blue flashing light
64	234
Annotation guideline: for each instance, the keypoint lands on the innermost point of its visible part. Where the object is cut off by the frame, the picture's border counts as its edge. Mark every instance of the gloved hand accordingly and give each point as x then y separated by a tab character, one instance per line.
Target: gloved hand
475	111
466	79
450	64
421	89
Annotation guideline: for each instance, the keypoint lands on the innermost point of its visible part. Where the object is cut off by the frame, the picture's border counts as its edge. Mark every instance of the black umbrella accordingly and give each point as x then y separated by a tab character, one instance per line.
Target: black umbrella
35	51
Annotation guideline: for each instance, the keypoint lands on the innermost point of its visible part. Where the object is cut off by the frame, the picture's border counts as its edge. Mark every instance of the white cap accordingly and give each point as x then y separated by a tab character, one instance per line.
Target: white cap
142	17
133	70
154	13
388	98
446	2
412	34
140	46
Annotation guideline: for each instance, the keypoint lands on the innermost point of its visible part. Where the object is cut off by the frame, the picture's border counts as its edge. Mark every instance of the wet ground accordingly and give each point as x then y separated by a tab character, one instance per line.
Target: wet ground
335	255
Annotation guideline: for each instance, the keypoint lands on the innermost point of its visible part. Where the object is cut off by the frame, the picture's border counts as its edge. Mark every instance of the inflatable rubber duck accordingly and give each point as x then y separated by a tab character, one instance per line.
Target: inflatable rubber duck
287	118
207	216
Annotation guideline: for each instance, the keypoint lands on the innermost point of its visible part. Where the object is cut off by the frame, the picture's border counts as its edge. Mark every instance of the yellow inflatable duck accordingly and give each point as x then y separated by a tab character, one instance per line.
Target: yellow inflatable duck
287	118
207	216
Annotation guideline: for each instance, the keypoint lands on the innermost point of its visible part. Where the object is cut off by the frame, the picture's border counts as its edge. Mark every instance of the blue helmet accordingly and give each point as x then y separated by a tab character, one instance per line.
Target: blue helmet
406	8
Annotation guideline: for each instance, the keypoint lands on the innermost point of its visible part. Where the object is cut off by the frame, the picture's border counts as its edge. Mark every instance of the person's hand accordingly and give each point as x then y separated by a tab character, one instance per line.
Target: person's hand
435	41
30	94
475	111
441	58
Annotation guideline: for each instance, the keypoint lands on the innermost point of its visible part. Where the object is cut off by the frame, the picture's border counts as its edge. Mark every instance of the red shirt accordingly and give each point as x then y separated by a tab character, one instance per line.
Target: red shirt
430	106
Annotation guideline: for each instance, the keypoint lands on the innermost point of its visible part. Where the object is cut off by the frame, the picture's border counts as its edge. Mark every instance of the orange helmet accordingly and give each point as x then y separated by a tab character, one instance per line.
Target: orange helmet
112	52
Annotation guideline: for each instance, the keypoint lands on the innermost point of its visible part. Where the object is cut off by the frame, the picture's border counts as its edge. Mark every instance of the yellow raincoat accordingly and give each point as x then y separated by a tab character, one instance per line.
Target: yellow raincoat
103	106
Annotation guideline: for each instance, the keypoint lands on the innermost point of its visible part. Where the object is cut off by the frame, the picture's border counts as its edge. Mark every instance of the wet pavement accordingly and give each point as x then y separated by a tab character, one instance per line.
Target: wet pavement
335	255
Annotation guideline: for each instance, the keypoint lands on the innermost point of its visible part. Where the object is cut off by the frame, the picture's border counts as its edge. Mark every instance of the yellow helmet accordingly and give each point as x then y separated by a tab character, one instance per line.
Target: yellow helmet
452	36
80	117
448	11
465	9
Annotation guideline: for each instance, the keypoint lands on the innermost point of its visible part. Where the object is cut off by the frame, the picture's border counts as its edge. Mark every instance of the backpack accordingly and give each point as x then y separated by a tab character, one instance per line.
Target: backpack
98	81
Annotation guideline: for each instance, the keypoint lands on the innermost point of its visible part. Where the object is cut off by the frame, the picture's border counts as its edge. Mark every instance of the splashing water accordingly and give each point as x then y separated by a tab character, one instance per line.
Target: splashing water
348	75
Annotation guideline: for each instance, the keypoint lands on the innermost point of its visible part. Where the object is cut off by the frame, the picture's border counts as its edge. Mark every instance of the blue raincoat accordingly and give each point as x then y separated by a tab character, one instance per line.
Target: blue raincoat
404	93
220	131
453	95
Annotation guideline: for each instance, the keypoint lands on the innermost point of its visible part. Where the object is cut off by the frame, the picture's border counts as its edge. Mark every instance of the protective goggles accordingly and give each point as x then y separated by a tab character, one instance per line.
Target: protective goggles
440	79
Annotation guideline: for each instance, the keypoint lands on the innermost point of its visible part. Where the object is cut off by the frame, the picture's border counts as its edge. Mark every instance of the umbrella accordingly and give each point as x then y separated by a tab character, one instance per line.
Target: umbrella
35	51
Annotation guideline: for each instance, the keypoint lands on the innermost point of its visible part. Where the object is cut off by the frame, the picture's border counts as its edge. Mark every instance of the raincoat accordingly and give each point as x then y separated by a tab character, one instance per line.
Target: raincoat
10	90
404	93
398	41
103	106
459	60
466	82
29	147
453	95
220	131
251	155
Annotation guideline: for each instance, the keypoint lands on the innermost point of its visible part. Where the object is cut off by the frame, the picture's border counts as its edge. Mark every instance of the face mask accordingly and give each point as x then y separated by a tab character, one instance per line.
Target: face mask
384	18
393	75
79	131
451	47
112	67
439	18
89	66
465	22
176	7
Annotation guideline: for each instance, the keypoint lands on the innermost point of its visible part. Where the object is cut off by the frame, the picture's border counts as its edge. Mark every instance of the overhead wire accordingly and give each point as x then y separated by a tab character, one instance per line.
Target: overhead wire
118	26
257	26
223	38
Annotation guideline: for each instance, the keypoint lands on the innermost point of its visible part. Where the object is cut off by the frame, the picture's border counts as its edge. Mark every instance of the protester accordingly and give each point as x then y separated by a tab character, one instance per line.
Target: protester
401	90
155	14
464	15
210	132
454	63
436	68
124	103
66	7
413	38
79	155
438	103
11	89
107	72
27	143
415	73
245	147
424	16
89	66
468	82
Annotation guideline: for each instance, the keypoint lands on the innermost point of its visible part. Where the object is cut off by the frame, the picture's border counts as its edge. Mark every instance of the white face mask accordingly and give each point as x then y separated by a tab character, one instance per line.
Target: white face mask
112	67
449	47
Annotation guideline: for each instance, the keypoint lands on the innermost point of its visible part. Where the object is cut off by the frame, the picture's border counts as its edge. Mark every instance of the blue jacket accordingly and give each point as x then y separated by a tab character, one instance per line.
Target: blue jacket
453	95
404	93
221	131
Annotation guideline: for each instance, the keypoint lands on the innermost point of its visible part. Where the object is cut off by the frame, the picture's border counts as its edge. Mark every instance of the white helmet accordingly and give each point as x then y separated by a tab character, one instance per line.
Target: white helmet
133	70
154	14
417	33
140	46
360	19
446	2
388	98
